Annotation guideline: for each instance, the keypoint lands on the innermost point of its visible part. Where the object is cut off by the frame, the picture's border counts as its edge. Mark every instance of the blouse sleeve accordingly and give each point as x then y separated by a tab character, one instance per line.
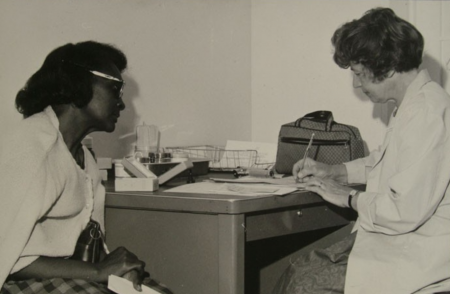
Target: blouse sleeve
358	169
23	204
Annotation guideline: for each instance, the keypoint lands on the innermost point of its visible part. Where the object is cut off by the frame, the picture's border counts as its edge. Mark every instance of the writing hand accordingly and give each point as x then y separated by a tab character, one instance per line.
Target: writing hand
306	168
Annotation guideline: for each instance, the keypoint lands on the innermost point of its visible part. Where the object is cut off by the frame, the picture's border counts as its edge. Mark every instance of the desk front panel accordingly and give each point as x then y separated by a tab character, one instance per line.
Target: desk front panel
191	253
294	220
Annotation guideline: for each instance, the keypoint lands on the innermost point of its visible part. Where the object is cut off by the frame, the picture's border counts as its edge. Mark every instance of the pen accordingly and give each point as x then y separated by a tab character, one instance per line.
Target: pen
307	151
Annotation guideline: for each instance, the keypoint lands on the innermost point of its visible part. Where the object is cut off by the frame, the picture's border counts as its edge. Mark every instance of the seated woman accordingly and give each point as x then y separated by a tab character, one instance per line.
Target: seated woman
401	240
51	186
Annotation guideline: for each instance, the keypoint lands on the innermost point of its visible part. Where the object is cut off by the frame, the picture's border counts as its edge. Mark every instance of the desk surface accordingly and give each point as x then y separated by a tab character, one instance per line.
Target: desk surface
204	203
195	243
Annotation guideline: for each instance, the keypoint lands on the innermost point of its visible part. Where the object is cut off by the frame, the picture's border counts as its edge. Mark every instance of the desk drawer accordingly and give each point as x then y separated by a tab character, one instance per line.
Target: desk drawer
294	220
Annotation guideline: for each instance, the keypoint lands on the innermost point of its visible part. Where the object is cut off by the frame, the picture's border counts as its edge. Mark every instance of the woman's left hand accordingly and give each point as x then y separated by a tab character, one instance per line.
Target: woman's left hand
136	278
330	190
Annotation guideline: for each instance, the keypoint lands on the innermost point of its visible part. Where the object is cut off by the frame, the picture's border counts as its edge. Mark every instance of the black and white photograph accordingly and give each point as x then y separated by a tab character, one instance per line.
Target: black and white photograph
225	147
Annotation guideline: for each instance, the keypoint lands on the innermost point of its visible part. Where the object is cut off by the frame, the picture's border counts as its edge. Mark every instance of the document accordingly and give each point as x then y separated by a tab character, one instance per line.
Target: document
123	286
208	187
285	182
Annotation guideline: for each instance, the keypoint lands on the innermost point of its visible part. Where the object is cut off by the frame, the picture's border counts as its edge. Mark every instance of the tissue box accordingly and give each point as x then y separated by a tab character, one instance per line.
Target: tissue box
136	184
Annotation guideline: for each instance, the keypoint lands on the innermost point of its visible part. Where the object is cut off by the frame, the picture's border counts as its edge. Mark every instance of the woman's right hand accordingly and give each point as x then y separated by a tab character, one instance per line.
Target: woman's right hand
123	263
303	172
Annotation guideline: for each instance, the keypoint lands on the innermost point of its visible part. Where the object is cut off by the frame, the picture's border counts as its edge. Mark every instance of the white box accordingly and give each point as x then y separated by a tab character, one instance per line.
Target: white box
136	184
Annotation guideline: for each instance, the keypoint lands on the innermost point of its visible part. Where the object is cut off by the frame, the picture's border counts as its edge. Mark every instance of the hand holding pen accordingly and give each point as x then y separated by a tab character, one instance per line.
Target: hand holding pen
308	168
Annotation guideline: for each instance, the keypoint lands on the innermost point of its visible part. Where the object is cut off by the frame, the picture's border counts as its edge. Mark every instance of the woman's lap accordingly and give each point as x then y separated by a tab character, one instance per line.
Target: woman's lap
53	286
319	272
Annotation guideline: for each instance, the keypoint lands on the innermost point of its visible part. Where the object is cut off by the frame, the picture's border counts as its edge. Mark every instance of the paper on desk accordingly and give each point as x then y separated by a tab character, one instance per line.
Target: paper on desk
233	189
285	182
123	286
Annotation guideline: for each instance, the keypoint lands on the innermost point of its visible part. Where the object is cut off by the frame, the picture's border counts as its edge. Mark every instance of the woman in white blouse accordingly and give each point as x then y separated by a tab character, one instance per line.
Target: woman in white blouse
51	187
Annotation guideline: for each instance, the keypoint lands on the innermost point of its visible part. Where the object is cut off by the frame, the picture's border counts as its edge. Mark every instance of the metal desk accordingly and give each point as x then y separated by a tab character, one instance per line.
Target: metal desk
195	244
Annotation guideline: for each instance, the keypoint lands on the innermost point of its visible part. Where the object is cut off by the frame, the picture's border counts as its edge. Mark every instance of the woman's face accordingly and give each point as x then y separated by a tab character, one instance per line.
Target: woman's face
378	92
104	109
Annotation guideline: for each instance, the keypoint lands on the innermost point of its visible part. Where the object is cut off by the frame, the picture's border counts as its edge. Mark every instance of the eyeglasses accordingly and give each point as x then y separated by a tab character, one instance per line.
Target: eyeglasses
105	76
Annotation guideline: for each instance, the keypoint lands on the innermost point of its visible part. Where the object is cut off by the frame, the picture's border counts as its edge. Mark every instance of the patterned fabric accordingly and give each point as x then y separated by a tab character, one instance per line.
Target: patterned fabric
319	272
340	143
68	286
54	286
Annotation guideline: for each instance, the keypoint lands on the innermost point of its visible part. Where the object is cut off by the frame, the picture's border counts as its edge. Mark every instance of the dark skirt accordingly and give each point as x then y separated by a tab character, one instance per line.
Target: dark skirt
319	272
54	286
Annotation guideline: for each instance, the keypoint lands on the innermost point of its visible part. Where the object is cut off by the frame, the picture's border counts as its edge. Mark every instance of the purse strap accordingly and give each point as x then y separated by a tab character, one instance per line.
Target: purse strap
321	116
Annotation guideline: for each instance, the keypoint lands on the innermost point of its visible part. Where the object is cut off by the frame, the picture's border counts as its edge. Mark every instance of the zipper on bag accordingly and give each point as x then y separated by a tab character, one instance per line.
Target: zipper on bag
318	142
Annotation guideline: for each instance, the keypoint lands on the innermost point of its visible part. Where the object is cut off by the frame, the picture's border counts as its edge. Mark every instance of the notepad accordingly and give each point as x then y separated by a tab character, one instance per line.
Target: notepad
123	286
286	182
232	189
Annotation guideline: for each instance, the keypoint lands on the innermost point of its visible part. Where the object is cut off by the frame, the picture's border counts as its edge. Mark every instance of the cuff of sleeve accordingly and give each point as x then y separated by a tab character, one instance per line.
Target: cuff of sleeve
366	210
356	171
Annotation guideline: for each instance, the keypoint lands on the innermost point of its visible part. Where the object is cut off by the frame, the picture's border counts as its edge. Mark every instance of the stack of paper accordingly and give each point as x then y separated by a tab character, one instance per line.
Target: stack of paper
286	182
233	189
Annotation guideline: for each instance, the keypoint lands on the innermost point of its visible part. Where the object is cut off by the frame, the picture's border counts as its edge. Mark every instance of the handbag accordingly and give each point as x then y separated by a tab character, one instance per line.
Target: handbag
333	142
89	244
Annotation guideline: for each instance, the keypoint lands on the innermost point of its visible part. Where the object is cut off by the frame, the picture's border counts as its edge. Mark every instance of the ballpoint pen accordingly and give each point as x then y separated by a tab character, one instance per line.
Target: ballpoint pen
307	151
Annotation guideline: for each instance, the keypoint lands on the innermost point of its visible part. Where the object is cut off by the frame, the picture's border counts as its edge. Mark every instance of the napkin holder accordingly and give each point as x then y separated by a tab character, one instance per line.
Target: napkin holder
144	179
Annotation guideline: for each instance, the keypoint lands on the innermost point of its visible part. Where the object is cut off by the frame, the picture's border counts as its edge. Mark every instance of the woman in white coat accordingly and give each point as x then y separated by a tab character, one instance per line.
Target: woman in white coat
401	240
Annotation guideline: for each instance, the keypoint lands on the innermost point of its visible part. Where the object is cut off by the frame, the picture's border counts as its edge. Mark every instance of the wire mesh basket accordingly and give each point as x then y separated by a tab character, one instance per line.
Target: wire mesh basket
220	158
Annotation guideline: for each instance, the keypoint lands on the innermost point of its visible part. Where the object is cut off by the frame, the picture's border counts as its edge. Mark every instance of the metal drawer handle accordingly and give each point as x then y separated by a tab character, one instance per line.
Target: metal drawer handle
299	213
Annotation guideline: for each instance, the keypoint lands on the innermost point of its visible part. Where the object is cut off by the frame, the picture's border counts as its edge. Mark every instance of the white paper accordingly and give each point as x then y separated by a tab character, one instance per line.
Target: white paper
123	286
285	182
233	189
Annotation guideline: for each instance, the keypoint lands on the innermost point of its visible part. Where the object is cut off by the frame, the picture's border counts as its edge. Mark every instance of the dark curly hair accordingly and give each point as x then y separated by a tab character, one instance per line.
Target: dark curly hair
380	41
63	77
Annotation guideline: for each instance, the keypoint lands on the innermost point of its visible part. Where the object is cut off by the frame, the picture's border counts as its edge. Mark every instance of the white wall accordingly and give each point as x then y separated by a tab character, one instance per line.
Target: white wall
433	20
189	62
293	72
206	71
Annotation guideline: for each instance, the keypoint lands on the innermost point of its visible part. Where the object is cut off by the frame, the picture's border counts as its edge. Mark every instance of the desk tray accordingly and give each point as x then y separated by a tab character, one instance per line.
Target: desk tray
200	167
